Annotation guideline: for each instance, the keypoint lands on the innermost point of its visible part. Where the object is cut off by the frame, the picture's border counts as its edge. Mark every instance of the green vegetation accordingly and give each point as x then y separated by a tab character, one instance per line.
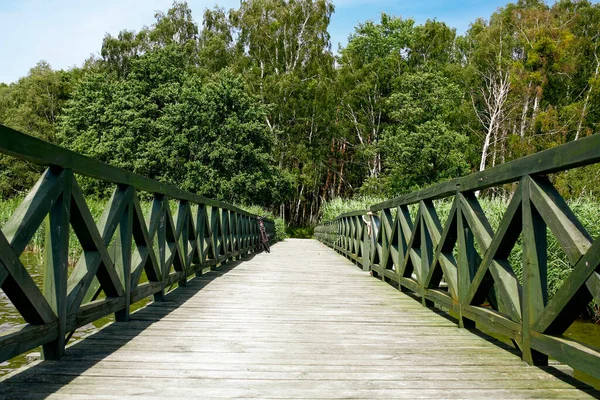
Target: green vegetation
255	107
300	232
331	209
37	243
280	228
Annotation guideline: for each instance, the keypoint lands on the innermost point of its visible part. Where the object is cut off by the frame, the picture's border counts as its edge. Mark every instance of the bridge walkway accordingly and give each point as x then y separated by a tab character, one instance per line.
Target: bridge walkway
301	322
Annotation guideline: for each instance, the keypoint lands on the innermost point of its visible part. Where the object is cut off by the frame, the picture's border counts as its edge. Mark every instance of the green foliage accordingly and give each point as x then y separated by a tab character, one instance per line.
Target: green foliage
300	232
424	145
331	209
254	106
205	135
38	241
280	228
31	105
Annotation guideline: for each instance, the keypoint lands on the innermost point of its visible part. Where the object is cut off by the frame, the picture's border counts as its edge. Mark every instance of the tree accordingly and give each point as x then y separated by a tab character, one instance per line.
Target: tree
375	55
205	135
32	105
423	145
222	147
284	54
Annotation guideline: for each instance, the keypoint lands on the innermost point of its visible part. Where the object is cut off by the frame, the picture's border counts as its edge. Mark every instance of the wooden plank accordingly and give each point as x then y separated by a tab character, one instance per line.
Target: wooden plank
569	352
144	290
26	337
494	321
442	298
93	311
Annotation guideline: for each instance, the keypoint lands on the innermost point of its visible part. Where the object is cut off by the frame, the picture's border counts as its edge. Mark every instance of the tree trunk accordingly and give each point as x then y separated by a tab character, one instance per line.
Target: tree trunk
587	100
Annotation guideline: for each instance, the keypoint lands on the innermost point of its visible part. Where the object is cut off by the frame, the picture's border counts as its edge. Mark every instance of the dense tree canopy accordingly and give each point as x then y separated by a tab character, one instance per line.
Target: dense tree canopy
254	106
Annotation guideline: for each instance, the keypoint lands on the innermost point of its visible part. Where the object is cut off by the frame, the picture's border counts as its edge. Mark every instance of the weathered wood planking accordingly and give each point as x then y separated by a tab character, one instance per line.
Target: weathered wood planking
301	322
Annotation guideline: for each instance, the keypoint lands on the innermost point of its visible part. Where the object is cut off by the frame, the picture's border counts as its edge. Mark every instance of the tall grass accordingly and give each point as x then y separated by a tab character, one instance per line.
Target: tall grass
332	208
37	242
280	228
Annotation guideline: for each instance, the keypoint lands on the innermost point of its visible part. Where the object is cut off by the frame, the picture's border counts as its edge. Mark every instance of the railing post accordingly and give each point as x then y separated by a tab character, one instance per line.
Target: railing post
122	254
157	219
182	228
57	264
375	227
465	265
366	250
426	254
535	271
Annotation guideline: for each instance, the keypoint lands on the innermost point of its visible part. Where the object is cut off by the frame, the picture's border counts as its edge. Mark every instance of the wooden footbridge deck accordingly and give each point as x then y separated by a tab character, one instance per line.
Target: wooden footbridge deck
301	322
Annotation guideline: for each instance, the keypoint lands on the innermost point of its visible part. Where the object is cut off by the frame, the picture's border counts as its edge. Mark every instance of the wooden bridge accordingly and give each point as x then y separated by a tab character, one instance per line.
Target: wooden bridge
302	321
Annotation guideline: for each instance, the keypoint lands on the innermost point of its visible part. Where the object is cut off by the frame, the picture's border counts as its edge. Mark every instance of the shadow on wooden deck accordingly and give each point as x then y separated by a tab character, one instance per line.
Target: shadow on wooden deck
559	371
39	380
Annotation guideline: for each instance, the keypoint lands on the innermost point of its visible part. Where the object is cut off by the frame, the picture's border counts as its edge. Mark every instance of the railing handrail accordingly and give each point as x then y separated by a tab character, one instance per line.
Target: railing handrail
352	214
567	156
38	151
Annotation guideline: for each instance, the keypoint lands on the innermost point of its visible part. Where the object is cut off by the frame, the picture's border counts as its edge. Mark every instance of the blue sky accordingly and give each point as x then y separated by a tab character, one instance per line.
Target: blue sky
66	32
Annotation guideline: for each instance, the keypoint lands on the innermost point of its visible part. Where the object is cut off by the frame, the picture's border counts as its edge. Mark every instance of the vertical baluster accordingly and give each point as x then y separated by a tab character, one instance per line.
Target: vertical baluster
535	280
231	233
122	255
466	265
56	266
182	228
216	231
426	253
375	242
366	246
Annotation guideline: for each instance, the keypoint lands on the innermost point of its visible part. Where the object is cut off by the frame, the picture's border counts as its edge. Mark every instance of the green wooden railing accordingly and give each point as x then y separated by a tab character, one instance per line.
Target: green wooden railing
117	250
462	266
